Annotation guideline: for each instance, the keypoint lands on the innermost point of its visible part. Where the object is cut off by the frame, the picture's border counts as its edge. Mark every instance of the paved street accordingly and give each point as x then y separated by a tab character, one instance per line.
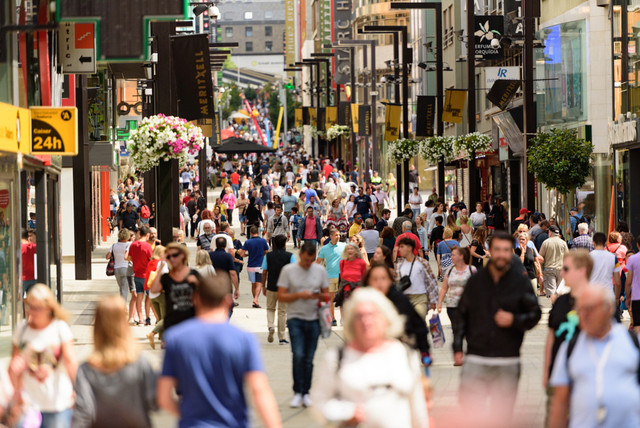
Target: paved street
80	297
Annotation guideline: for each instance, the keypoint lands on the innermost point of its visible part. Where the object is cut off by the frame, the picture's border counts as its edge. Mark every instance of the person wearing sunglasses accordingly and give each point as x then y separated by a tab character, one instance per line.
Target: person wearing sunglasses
177	285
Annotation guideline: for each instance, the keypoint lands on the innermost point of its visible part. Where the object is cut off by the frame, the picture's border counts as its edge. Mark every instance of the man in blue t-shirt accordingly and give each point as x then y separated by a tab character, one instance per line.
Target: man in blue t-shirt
256	247
364	206
210	361
331	254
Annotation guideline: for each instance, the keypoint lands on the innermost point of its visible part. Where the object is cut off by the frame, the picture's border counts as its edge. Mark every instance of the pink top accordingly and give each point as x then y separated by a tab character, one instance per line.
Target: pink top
310	228
230	200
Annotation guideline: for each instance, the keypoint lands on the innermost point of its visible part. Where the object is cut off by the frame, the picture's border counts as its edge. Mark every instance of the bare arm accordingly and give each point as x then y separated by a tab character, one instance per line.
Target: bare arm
263	399
617	286
156	285
443	292
70	361
559	407
166	401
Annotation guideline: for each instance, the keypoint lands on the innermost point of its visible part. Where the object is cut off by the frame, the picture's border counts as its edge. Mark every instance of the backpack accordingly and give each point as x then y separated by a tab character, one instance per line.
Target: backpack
314	175
578	221
144	212
574	339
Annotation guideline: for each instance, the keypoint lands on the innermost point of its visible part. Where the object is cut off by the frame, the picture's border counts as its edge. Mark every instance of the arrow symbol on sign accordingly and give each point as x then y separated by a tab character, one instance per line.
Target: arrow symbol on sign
84	59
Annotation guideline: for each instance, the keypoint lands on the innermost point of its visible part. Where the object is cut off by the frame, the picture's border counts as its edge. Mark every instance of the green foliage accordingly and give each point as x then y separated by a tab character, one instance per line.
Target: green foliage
251	94
231	100
560	160
228	64
274	107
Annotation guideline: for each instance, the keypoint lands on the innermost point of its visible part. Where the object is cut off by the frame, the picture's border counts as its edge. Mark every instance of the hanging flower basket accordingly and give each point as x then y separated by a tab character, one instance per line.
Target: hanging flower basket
403	149
435	149
471	144
336	131
163	137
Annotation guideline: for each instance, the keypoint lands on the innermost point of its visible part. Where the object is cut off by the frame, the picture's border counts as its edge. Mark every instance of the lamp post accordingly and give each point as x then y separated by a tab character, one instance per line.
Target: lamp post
395	29
529	113
314	144
437	8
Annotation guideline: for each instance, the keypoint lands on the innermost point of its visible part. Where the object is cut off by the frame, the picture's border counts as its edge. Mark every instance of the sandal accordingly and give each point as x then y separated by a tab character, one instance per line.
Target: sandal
255	305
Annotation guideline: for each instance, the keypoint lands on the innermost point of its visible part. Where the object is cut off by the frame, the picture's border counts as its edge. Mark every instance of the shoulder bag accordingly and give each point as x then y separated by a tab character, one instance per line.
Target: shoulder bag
110	271
405	282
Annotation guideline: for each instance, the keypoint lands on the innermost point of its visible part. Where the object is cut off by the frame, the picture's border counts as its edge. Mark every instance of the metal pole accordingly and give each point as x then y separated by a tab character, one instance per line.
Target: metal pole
352	98
396	90
529	112
405	111
367	160
374	92
471	106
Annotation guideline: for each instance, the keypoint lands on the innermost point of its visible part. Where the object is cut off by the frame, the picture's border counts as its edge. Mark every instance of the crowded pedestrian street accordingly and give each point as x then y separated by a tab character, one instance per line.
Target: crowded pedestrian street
319	213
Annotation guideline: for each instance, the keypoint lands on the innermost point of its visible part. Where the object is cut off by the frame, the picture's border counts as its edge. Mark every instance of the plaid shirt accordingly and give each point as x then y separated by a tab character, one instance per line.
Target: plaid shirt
431	285
582	241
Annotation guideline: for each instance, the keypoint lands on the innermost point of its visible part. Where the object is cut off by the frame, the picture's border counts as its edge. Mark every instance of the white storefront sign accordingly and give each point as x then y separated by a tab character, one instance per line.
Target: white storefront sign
623	132
491	74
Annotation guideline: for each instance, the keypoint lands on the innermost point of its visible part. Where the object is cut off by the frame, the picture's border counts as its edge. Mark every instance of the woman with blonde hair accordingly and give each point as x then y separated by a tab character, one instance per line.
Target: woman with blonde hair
391	184
443	251
373	380
466	231
203	264
116	386
359	242
43	365
156	266
352	270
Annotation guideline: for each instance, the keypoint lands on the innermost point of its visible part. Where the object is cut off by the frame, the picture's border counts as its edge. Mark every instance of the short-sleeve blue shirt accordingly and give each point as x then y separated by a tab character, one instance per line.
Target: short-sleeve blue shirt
209	362
332	254
255	247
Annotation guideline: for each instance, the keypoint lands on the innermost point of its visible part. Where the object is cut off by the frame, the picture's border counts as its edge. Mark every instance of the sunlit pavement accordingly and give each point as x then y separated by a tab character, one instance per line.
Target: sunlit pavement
80	298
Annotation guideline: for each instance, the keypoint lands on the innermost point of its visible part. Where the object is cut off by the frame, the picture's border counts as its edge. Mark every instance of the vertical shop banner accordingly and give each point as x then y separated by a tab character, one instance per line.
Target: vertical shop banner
487	28
454	101
344	113
342	29
502	92
355	111
321	119
331	116
425	115
216	138
313	116
305	116
193	76
364	120
298	117
392	122
290	34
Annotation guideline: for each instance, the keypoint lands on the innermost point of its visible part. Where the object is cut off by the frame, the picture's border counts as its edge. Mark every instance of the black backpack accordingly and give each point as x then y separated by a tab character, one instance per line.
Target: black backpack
578	221
574	339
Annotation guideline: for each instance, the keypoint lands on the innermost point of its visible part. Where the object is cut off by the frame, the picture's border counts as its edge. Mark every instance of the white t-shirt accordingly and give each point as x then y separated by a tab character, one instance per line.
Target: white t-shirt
371	239
46	384
415	201
118	250
604	265
418	278
477	218
295	279
225	236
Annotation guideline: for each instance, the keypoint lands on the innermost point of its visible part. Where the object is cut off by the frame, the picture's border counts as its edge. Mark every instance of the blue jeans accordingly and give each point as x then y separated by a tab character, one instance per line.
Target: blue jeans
57	419
416	213
313	241
304	340
236	188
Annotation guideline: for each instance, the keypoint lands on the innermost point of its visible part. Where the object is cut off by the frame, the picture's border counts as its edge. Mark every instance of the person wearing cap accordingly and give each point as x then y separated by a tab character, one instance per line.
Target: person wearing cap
553	251
522	218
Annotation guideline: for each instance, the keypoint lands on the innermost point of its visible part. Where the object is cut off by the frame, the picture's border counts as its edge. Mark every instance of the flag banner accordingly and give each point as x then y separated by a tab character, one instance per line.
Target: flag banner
305	116
392	122
216	138
313	116
454	101
206	126
502	92
425	114
298	117
193	76
331	116
354	117
364	120
344	113
321	119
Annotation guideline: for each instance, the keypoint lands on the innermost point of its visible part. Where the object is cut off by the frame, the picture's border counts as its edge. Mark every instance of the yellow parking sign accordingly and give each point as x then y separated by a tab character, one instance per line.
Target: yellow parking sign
54	131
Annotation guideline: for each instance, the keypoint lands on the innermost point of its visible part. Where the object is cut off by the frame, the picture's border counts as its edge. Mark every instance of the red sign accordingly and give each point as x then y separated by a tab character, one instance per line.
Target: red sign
84	35
4	198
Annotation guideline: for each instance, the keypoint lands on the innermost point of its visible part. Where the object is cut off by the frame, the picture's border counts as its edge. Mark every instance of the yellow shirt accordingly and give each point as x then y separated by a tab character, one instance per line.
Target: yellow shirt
354	229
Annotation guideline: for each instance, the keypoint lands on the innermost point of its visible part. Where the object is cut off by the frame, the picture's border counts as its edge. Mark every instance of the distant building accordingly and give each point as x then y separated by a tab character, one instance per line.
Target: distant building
258	27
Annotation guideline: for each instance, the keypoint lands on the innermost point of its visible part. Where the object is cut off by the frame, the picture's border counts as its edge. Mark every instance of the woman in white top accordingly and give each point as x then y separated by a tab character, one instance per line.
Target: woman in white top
466	232
351	208
478	218
415	200
43	365
439	211
122	271
203	264
374	380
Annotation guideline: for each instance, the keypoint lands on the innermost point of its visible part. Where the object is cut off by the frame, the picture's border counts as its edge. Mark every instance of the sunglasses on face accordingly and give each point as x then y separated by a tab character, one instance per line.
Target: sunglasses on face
172	255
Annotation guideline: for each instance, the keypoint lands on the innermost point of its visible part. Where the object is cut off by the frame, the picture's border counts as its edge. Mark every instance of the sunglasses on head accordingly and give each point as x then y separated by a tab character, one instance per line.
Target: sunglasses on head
172	255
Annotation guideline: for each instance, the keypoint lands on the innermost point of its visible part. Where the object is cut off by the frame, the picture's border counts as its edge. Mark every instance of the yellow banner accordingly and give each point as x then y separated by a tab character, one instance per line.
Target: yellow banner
454	101
392	122
313	116
355	110
277	137
206	125
331	115
298	117
15	129
54	131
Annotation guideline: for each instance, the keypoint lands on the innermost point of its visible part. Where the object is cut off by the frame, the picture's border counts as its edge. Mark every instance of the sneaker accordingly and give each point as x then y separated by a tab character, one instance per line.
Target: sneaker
284	342
296	401
306	401
271	331
334	323
147	321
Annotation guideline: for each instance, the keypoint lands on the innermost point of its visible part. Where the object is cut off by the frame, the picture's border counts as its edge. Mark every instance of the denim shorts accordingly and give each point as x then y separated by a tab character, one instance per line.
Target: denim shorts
139	282
255	276
242	218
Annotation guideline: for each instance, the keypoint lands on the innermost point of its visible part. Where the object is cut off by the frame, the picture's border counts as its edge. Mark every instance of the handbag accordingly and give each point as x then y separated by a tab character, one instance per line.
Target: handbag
405	282
325	318
111	270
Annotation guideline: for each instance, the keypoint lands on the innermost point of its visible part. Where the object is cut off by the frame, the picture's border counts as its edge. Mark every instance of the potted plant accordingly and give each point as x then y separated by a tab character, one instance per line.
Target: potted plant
403	150
470	145
336	131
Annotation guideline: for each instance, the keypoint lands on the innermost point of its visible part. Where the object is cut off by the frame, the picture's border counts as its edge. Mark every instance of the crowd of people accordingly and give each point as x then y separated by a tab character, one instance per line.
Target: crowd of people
316	235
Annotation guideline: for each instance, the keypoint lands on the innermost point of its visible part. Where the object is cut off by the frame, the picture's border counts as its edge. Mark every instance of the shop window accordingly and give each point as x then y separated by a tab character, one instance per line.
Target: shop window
229	32
248	46
248	31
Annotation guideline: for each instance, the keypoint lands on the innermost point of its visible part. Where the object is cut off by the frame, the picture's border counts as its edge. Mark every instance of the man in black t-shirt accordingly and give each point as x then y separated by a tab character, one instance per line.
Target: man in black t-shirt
129	219
192	208
563	319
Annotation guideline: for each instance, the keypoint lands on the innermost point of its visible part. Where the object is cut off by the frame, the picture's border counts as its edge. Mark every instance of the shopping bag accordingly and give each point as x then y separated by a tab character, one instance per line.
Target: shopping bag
325	318
437	332
110	270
